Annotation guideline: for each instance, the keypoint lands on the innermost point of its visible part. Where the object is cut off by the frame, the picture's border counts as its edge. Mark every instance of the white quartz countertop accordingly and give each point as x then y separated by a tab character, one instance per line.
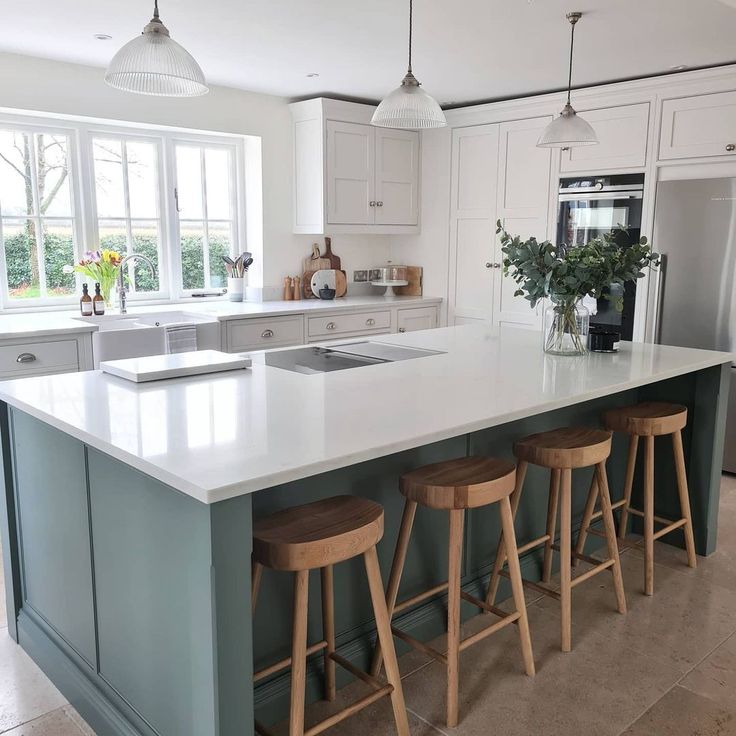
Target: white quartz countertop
219	436
48	323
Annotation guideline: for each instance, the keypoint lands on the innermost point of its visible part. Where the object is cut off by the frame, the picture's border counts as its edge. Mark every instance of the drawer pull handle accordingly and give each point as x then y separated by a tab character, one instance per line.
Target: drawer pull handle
26	358
370	322
731	147
267	333
331	325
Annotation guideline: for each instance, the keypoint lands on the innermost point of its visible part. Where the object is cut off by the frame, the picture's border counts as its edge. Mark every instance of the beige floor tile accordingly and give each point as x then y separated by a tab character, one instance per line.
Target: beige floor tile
25	692
56	723
686	618
715	677
81	724
683	713
597	689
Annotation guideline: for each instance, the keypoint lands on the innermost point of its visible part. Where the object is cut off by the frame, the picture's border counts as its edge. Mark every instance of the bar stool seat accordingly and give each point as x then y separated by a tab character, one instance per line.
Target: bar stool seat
567	447
454	486
320	535
647	420
562	450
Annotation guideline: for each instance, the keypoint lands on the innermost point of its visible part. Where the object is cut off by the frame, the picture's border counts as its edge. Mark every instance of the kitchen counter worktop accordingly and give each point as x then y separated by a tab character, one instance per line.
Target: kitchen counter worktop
220	436
30	324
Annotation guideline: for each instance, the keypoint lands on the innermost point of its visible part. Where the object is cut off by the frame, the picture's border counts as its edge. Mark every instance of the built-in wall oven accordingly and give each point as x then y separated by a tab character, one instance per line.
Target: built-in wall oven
589	207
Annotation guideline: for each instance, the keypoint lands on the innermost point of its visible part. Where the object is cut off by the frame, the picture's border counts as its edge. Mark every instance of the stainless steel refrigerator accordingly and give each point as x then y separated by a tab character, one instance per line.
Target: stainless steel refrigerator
695	230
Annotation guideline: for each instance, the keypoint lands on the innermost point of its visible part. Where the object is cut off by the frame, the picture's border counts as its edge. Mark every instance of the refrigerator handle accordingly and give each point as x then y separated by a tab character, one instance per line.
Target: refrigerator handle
658	300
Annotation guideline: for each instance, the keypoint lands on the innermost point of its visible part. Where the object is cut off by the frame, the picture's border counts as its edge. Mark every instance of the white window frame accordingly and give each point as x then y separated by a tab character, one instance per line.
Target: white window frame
80	133
237	236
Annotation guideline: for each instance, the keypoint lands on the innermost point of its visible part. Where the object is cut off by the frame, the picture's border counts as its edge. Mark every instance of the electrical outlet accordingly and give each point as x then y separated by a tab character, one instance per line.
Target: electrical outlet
359	276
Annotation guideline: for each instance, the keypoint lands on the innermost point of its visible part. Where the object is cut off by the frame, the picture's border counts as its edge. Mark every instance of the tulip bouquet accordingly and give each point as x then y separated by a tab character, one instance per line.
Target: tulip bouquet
101	266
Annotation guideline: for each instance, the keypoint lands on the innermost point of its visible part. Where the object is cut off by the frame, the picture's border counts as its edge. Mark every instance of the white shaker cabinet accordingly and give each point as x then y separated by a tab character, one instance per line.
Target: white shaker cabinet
703	125
349	176
622	140
416	318
498	172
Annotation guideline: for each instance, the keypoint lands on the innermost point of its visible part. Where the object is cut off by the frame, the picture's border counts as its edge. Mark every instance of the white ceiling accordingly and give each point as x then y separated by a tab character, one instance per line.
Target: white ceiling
465	50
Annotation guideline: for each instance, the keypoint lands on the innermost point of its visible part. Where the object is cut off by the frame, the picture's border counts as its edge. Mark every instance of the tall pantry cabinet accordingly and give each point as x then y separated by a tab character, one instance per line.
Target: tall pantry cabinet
498	173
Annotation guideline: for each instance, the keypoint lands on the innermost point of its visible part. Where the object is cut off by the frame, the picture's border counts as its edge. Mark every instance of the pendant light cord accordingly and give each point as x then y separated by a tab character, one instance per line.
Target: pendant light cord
155	9
572	46
411	26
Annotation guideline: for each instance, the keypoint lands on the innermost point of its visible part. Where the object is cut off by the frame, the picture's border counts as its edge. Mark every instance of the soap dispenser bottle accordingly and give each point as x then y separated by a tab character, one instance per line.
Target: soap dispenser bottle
98	303
85	303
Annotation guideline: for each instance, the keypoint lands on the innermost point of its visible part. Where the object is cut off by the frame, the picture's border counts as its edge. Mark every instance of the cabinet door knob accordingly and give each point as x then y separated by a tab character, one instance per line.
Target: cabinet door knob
372	203
26	358
489	264
370	322
731	147
331	325
267	333
496	265
402	329
379	204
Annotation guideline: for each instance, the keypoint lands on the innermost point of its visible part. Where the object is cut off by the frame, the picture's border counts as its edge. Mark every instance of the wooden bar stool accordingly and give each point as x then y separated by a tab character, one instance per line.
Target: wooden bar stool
454	486
648	420
562	450
319	535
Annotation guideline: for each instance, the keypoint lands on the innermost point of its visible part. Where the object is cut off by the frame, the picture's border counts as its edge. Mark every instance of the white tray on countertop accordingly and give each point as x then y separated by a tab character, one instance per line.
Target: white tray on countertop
159	367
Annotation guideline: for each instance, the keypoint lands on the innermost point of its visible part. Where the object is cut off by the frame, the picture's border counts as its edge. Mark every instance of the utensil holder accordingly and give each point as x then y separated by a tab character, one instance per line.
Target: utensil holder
235	288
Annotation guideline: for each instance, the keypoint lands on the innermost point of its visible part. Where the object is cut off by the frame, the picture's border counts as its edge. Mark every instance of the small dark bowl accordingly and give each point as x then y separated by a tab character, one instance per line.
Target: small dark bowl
326	293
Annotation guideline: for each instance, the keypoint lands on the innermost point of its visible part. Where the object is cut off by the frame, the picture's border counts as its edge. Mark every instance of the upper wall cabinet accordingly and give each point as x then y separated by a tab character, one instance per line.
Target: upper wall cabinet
350	177
704	125
622	136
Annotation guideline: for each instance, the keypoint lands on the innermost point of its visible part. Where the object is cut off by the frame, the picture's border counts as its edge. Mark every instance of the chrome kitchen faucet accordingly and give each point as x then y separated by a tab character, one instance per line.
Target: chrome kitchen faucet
121	276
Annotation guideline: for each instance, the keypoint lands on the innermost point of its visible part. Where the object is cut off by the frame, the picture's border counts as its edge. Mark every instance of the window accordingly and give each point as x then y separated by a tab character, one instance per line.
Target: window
37	221
204	203
127	203
67	187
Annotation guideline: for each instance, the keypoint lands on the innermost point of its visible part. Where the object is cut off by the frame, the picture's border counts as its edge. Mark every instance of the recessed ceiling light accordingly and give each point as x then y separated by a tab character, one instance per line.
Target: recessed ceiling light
311	75
102	36
678	67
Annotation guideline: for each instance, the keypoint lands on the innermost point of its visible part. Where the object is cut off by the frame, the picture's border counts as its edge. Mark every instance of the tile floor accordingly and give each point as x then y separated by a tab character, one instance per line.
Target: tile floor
667	668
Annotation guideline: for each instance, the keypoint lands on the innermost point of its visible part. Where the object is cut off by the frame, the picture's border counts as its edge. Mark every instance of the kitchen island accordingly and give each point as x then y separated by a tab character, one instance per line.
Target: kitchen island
128	508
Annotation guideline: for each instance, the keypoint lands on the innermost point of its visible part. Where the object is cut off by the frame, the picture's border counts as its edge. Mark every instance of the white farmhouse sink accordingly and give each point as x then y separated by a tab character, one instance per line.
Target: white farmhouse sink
137	335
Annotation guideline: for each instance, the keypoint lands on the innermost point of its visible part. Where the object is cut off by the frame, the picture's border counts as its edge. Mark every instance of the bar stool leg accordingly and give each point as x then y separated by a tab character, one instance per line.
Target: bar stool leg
299	653
328	630
649	515
385	637
397	568
587	516
565	559
552	503
628	485
610	527
507	521
455	550
501	550
684	497
256	574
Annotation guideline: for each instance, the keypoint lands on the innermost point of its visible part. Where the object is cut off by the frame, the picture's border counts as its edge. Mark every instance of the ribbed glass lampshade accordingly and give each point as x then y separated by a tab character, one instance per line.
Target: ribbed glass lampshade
155	64
409	107
568	131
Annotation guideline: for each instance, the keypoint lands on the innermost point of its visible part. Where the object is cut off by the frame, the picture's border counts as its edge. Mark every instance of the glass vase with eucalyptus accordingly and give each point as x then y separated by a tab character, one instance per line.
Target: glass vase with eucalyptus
566	326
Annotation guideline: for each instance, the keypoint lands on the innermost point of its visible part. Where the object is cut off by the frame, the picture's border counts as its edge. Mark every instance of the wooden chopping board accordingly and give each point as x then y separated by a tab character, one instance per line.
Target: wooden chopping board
316	262
334	260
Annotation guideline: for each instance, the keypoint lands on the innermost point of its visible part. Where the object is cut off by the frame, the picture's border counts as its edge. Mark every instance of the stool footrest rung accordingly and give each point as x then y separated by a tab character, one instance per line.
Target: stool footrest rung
580	556
419	645
284	663
350	710
600	567
409	602
533	544
657	519
535	586
374	682
468	641
478	603
670	528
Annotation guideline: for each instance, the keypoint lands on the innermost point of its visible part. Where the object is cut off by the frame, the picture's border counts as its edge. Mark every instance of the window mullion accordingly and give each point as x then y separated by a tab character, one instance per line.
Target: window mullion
205	228
40	260
128	223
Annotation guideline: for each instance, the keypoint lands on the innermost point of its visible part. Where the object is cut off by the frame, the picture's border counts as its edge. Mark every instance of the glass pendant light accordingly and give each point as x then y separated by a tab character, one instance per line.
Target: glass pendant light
155	64
569	130
409	106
